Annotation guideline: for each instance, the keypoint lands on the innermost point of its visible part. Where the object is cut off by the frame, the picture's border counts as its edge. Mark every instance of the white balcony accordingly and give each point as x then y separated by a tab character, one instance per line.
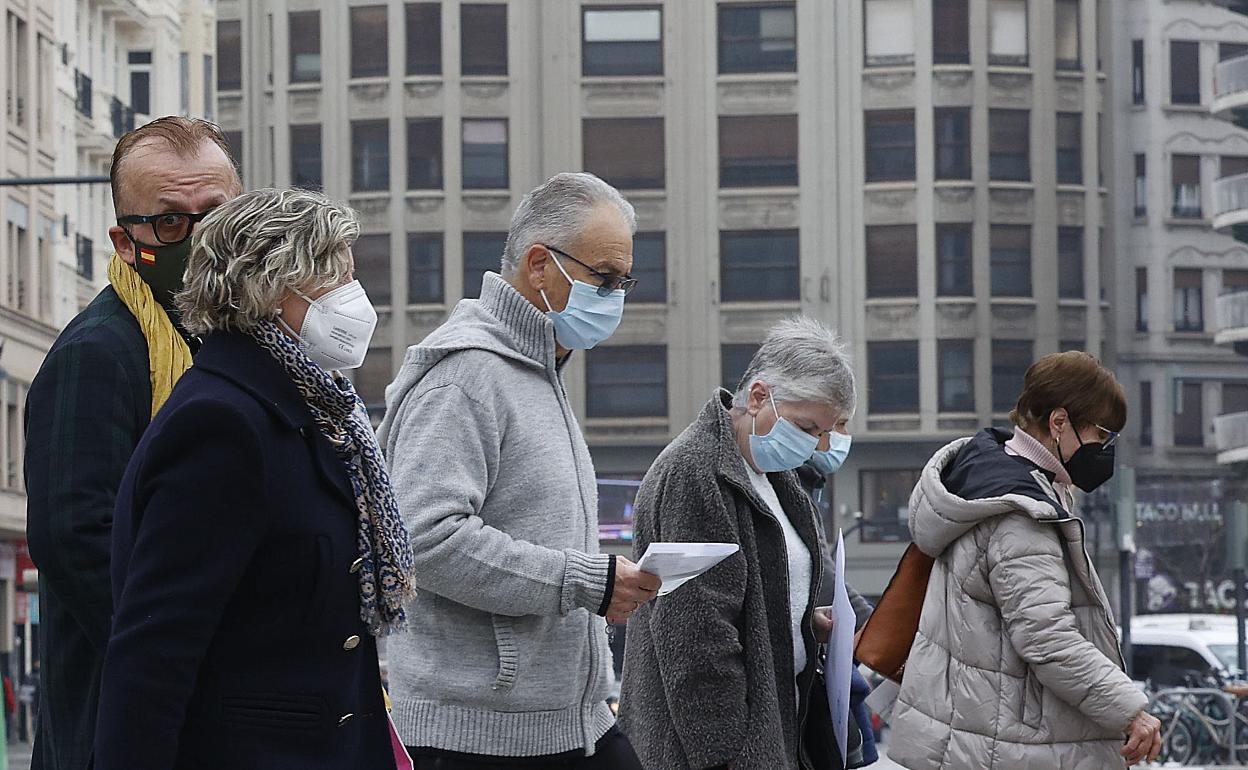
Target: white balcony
1230	435
1230	201
1232	319
1230	88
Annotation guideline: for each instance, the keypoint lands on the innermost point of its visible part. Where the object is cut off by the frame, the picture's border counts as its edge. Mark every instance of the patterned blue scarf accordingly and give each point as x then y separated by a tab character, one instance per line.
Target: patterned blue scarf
386	573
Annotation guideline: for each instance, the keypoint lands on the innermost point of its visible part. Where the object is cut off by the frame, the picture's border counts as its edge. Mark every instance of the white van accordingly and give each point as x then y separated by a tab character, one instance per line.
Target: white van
1167	649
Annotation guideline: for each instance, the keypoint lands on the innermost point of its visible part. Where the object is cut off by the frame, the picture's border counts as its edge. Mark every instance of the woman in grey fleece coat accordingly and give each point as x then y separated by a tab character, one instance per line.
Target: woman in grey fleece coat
722	671
1016	663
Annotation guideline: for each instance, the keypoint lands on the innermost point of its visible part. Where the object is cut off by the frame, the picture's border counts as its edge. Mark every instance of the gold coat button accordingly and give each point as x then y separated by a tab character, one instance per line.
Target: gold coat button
345	718
355	565
351	643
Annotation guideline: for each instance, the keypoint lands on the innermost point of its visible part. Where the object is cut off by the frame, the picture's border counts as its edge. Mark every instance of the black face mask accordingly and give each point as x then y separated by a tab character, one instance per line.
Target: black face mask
1090	466
161	268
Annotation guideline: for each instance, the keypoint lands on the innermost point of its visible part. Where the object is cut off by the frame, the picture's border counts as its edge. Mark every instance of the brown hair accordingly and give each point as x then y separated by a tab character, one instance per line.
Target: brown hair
183	135
1076	382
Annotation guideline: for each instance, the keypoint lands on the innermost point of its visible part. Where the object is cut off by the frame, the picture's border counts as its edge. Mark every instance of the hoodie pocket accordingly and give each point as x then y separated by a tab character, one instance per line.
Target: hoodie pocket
508	652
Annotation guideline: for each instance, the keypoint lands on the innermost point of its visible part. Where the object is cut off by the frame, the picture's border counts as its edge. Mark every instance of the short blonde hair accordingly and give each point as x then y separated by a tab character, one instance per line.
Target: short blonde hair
249	253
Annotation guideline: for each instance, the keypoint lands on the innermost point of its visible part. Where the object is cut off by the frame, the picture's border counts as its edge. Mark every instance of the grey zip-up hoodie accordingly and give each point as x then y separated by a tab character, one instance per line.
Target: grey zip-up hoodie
505	654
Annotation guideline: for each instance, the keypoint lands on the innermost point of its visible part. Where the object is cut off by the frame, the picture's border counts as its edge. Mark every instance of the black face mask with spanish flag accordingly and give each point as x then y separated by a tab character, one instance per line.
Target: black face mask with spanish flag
161	268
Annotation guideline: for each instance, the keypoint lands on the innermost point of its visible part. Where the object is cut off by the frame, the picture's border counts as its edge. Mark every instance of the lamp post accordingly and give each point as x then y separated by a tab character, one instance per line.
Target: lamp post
1126	524
1236	532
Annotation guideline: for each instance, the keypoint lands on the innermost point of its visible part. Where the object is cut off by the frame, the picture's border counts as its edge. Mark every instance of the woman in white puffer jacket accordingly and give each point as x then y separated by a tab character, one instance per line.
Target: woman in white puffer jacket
1016	665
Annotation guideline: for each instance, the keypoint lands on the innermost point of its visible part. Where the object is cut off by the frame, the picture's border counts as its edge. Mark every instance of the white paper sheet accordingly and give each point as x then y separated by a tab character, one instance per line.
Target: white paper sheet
678	563
840	661
883	698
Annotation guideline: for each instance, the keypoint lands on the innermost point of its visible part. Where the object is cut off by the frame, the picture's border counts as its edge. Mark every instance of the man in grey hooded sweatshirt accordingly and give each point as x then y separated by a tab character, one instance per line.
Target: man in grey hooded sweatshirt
506	660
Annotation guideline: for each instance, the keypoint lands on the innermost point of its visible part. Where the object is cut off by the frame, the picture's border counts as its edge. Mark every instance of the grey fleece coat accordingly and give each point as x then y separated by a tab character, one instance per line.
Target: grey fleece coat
708	669
505	654
1016	664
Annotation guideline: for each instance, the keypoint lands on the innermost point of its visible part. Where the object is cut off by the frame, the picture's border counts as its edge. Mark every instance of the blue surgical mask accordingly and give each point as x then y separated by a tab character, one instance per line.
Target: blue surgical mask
785	446
588	318
830	461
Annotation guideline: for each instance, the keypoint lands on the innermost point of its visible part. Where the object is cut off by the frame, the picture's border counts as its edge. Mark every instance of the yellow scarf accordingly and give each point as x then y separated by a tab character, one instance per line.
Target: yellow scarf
167	353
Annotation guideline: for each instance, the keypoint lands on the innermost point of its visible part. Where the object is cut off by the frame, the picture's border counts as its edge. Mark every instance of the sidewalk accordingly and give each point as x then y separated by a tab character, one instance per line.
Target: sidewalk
19	756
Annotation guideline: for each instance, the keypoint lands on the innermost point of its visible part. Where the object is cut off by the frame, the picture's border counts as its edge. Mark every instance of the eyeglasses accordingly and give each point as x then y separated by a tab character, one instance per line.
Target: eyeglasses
170	228
1112	436
609	283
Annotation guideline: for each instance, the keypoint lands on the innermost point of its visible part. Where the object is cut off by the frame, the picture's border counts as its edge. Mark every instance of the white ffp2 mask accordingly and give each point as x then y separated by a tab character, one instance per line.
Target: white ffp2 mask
338	327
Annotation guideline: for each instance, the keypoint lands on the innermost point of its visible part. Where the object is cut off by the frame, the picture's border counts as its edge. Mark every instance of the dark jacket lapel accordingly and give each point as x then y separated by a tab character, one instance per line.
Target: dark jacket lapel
239	359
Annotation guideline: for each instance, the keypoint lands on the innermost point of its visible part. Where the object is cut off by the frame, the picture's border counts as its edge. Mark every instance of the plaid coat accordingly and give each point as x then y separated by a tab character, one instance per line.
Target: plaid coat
85	413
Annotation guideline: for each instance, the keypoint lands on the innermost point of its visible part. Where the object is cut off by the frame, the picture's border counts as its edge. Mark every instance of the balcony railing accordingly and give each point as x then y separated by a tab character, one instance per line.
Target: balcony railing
123	117
1232	318
1230	201
1230	435
1230	89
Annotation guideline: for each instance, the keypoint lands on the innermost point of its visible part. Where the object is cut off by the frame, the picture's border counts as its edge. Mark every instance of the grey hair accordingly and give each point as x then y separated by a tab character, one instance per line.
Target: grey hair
249	253
802	359
556	212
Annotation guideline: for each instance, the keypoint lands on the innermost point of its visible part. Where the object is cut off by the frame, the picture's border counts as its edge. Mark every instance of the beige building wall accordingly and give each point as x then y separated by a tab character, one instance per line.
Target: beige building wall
836	84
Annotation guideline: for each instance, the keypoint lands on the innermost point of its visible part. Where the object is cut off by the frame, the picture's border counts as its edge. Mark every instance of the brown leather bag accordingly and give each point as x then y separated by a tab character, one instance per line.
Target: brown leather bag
884	642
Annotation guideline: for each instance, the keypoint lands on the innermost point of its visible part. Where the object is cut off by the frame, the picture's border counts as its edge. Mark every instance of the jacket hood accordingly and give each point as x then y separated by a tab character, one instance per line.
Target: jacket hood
502	322
1001	484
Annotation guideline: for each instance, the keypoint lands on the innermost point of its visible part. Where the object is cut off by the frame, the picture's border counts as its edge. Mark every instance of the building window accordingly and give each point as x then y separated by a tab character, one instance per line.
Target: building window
140	81
1137	71
1070	262
1184	72
758	265
1146	414
1010	259
890	145
370	52
370	155
1234	398
893	373
1010	361
235	141
889	32
649	268
305	156
1009	145
229	55
1189	418
1007	32
372	378
885	499
1231	51
305	46
957	375
622	41
483	39
424	154
758	151
734	359
423	22
1066	26
951	42
1069	148
1232	165
953	143
1234	281
485	154
892	261
1141	299
757	38
1189	315
483	252
424	269
1141	186
372	266
626	381
953	260
626	152
1185	179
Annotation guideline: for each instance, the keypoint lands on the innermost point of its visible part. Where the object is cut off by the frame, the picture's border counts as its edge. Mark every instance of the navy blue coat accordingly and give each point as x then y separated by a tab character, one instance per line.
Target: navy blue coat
237	640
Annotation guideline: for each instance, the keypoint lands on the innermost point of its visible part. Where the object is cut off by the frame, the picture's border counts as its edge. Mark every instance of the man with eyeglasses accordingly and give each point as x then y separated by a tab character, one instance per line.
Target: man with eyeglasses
104	378
506	661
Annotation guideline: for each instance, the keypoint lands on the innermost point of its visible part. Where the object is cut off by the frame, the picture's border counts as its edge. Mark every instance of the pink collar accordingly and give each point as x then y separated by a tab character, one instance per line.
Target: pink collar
1024	445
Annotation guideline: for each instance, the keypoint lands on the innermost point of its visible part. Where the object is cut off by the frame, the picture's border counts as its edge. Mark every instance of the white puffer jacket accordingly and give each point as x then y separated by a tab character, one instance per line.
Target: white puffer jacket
1016	665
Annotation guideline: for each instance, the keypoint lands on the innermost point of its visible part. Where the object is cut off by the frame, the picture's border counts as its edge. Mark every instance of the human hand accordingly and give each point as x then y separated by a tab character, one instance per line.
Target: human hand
824	623
1143	739
633	588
